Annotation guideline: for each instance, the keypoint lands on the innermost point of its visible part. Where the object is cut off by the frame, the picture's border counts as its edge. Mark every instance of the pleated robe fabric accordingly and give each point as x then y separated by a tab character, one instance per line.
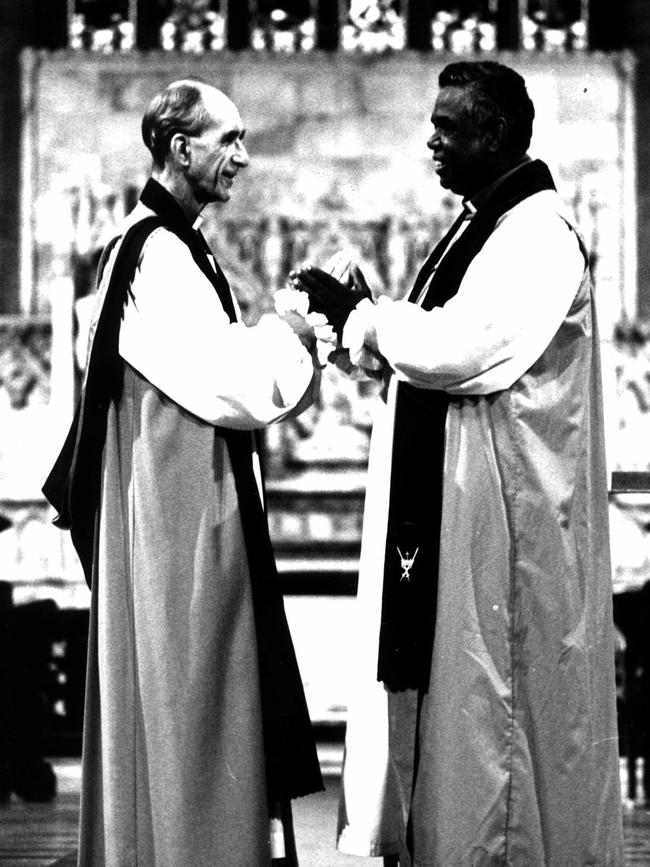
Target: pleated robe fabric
515	742
173	761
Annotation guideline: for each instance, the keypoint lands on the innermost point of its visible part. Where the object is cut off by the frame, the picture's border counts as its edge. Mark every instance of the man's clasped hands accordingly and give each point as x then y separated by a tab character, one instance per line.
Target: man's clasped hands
329	296
317	306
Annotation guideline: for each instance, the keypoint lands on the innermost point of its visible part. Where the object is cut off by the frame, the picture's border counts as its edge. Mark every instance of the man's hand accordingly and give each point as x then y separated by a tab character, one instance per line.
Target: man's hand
328	296
301	328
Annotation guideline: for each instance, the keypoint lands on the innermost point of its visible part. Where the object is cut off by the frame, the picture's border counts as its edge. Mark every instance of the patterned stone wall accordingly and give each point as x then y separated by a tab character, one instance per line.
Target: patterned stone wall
335	142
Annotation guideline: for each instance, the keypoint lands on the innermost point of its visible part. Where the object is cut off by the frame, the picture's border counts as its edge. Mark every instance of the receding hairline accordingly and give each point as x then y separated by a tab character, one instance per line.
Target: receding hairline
197	83
207	92
189	106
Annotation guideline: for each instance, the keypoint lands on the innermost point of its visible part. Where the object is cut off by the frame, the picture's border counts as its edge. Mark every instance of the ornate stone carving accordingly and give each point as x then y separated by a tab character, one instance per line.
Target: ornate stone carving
373	26
284	27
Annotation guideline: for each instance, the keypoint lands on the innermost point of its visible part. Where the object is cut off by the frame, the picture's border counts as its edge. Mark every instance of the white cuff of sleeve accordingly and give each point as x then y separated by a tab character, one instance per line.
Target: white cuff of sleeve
354	332
291	363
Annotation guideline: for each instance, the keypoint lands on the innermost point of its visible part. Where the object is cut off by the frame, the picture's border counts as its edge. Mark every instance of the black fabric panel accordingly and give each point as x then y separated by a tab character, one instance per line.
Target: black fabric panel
415	507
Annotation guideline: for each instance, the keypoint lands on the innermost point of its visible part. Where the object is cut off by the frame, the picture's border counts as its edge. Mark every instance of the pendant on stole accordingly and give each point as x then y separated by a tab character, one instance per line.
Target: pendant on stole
406	562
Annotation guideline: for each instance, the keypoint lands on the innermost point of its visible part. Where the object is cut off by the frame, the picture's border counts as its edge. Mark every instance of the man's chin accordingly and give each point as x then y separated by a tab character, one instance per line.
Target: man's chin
444	180
448	183
221	196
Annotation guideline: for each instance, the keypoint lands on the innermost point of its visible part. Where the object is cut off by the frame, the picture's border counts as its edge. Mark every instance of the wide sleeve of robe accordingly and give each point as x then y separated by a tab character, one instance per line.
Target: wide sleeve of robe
174	326
510	304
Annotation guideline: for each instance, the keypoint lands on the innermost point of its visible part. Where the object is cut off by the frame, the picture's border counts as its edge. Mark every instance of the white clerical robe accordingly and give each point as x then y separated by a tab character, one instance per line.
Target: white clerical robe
516	736
173	763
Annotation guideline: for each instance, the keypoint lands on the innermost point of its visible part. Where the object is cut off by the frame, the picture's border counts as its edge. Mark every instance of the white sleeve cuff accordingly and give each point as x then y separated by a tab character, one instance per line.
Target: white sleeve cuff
356	328
292	364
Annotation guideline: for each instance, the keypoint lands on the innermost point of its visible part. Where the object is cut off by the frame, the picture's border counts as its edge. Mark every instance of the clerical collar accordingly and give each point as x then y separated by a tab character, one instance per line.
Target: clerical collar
162	203
473	204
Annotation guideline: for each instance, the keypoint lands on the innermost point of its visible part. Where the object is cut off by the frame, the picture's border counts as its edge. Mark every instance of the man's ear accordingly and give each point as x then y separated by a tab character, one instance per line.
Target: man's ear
179	149
495	133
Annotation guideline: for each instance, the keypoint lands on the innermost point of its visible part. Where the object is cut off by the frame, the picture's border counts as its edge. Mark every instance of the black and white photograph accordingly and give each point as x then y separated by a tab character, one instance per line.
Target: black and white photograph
324	433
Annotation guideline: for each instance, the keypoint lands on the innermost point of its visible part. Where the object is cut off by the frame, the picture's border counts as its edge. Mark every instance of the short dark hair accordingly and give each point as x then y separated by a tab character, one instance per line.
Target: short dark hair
178	108
496	91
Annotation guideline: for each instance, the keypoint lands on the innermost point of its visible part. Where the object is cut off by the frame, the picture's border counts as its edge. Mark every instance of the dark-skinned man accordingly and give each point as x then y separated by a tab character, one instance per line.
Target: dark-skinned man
482	729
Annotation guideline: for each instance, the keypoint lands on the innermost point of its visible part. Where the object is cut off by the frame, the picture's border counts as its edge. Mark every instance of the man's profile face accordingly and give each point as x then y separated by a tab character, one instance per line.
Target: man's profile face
460	151
218	153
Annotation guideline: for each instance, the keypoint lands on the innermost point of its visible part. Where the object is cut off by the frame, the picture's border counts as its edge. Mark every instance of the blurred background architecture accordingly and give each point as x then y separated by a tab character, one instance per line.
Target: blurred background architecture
336	96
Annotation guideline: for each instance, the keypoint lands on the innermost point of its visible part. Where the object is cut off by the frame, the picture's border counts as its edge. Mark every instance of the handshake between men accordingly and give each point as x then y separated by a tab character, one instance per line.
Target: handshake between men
331	297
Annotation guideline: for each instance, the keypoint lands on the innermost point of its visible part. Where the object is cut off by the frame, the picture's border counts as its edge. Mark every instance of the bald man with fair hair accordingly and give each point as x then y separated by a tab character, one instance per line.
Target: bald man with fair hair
196	731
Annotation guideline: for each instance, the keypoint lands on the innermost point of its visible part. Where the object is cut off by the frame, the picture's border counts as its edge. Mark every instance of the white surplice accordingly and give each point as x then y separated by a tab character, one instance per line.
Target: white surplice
173	761
517	739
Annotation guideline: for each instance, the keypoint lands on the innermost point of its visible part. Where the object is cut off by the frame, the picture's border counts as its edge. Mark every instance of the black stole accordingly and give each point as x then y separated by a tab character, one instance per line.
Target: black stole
412	550
74	486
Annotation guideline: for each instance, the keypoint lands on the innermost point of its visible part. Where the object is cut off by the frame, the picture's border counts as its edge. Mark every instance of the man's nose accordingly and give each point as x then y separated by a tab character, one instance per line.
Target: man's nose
433	139
241	155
